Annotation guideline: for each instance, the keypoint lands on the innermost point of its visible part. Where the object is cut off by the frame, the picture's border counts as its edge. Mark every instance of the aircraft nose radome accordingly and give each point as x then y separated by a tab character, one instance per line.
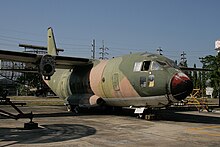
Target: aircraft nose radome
181	86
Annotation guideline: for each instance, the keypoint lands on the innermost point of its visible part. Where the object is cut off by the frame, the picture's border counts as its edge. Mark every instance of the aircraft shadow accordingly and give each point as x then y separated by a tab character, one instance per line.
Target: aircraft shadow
165	115
85	112
177	116
58	114
46	134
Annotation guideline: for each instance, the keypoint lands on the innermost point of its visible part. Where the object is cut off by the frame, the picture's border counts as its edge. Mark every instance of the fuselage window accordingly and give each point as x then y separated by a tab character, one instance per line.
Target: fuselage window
145	66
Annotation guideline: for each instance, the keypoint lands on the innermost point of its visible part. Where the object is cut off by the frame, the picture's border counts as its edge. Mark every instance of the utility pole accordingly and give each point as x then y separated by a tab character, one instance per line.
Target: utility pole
103	51
93	49
183	58
159	51
203	75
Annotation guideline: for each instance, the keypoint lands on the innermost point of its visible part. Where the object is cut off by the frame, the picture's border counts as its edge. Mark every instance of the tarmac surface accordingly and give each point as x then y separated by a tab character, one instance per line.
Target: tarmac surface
57	127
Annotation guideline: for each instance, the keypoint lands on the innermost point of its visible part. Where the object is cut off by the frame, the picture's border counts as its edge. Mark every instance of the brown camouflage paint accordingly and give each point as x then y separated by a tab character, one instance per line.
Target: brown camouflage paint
107	80
96	78
127	89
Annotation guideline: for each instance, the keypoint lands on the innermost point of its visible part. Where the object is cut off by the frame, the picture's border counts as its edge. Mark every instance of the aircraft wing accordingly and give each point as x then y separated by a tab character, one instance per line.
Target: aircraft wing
68	62
34	59
21	70
19	56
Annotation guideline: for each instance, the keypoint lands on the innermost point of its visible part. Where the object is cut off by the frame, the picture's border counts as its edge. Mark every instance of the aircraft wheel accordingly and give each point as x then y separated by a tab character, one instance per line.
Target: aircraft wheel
68	107
72	108
150	117
149	114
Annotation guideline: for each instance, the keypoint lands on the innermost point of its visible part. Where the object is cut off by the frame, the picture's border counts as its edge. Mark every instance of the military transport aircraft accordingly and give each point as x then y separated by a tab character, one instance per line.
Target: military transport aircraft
139	80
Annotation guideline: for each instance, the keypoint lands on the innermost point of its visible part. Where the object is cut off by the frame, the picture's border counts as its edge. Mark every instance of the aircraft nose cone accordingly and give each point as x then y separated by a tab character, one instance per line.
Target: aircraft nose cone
181	86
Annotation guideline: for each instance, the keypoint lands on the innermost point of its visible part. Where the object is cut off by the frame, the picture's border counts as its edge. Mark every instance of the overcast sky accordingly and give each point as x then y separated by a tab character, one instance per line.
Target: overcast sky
126	26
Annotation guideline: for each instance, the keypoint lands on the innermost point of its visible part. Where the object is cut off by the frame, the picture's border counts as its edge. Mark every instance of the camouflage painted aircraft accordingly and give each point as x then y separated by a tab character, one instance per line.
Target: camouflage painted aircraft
140	80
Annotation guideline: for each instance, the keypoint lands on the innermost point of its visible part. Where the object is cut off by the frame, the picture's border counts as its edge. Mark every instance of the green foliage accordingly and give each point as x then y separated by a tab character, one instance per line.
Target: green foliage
200	78
30	81
195	78
213	62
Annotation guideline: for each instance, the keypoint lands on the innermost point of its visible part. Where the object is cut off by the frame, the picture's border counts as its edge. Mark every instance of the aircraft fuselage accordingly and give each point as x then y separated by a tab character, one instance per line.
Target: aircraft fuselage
141	80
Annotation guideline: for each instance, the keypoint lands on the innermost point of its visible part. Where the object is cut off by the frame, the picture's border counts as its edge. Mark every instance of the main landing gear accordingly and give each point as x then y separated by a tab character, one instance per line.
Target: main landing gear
145	113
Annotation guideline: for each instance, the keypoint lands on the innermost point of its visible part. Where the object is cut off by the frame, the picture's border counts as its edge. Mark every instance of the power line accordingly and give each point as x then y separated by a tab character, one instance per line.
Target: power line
16	38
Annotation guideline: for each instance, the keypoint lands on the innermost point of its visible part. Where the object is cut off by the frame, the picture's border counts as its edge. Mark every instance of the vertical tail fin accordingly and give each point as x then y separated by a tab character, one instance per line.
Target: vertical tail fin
51	45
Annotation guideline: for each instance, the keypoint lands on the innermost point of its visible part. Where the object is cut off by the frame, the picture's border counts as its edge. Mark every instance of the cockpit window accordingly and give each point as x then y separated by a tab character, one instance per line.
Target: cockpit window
146	66
155	66
142	66
137	66
163	64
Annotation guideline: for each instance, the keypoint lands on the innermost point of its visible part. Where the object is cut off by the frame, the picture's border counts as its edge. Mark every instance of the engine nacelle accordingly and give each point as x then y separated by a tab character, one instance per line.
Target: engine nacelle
47	66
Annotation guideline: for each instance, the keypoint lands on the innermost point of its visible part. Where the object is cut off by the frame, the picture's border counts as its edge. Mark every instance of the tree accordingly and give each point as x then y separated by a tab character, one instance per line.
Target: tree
196	81
213	62
31	81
